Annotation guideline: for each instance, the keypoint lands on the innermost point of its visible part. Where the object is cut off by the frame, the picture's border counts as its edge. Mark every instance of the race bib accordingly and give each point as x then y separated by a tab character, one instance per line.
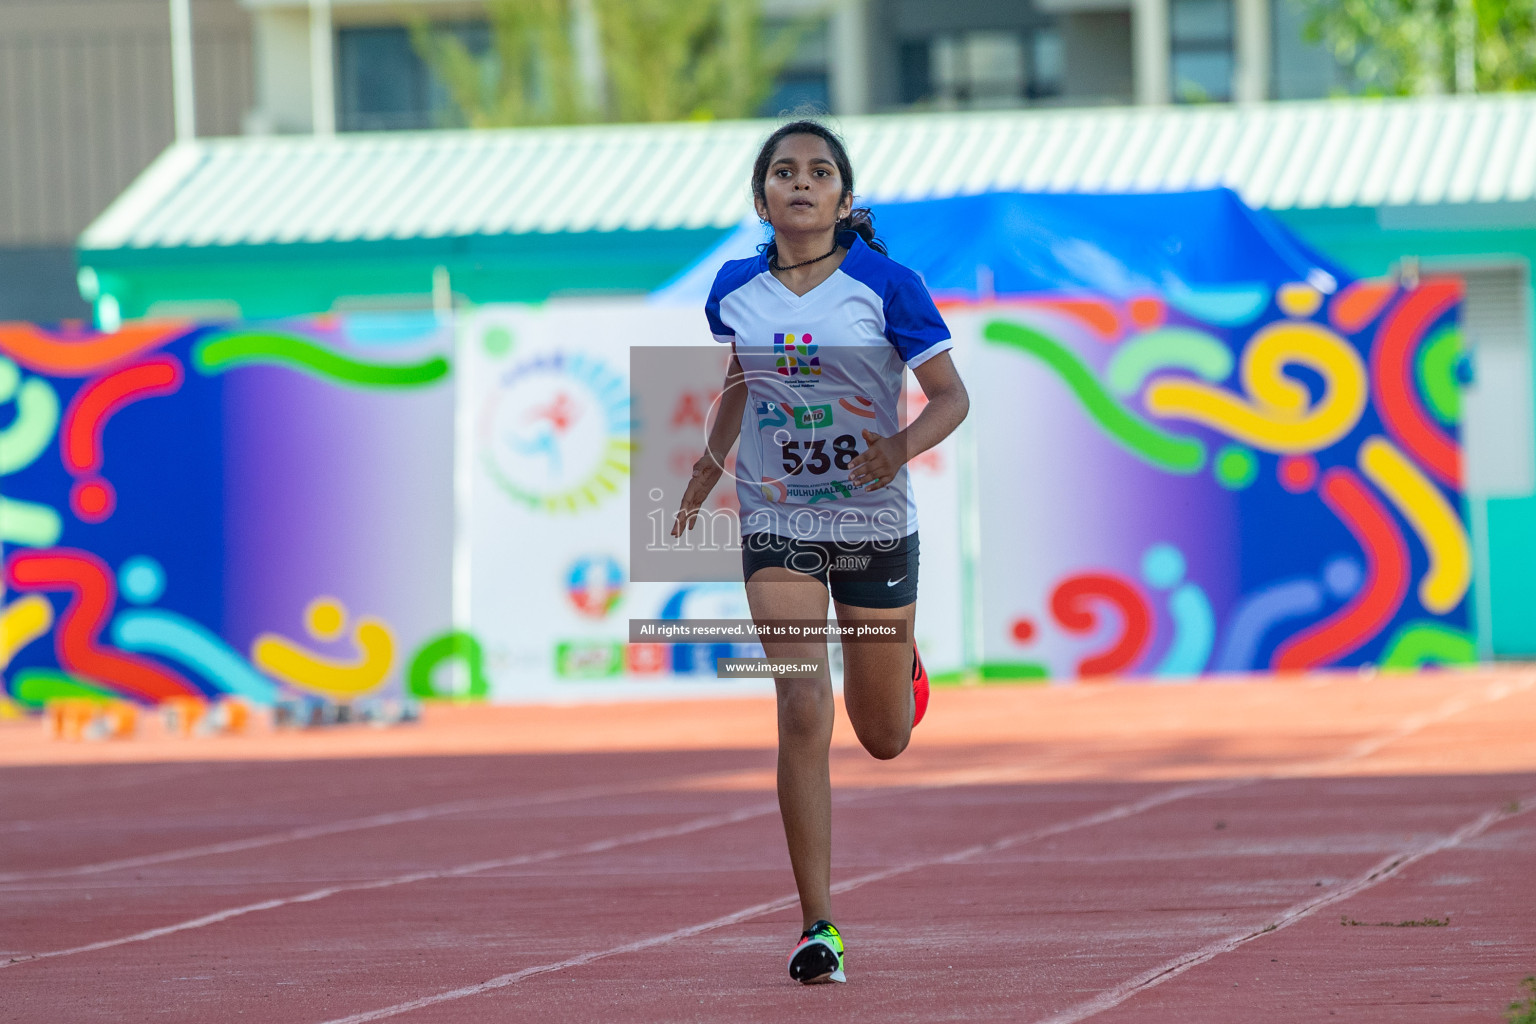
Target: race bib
806	450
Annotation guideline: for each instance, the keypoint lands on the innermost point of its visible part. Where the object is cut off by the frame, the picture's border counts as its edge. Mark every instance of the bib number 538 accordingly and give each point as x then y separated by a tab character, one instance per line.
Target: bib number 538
815	459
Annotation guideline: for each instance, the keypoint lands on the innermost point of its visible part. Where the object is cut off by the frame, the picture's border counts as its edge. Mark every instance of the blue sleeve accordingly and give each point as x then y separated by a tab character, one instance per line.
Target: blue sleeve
912	321
732	276
717	327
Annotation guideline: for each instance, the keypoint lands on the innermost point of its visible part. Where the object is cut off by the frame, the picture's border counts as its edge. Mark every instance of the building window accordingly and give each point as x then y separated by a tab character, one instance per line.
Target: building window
1201	50
804	80
978	68
1047	62
981	69
1300	68
384	85
915	74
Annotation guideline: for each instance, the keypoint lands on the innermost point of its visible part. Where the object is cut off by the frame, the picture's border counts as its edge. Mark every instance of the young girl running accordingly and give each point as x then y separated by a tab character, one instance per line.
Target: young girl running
822	324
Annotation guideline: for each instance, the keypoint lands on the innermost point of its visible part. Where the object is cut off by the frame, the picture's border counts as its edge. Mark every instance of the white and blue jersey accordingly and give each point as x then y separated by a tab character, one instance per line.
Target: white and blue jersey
820	369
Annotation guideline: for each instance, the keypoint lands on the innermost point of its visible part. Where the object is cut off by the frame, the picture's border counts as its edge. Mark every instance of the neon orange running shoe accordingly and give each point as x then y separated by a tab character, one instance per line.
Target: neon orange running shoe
919	685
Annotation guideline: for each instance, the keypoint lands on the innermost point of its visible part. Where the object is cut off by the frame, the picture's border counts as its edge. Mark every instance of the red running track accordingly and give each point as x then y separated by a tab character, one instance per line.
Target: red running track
1114	853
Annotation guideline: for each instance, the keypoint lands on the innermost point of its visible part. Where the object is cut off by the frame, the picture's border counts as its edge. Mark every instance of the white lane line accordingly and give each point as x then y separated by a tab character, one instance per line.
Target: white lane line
84	782
464	870
461	871
1407	727
784	902
387	818
1388	868
973	776
380	820
1413	723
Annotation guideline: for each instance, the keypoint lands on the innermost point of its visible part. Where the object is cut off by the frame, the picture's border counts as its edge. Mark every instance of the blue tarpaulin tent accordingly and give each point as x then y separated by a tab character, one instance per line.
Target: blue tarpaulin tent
1116	246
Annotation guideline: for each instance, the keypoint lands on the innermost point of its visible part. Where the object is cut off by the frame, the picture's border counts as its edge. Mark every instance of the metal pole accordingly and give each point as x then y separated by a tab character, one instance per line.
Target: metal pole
1252	23
1466	47
589	56
850	57
461	609
1151	60
322	75
183	102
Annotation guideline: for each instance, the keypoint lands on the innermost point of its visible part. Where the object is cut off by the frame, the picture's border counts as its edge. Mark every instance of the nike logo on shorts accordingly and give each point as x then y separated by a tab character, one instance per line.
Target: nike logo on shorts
892	583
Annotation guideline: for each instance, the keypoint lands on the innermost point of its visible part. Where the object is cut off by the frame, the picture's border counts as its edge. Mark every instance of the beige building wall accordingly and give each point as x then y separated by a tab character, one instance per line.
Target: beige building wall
85	102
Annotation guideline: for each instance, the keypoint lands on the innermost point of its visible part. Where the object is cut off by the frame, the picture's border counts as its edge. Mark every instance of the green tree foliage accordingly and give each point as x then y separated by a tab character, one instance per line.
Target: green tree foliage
1523	1011
1404	47
655	60
529	76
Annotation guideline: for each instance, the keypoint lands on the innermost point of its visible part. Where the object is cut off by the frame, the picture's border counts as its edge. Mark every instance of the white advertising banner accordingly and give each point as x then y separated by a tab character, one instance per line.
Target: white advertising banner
551	428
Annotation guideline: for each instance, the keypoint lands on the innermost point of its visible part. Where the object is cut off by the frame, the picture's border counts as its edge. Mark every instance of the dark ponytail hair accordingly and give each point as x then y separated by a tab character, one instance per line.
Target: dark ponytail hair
860	219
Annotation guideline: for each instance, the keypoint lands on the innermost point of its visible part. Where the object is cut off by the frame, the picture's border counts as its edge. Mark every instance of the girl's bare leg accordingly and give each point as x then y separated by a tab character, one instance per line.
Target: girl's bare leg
877	682
805	735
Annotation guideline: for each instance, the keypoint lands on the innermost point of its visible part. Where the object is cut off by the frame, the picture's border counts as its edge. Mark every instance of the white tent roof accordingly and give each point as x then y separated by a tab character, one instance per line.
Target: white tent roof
1333	153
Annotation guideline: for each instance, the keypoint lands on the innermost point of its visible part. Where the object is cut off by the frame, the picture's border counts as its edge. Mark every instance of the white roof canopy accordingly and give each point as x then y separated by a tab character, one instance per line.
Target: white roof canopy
1334	153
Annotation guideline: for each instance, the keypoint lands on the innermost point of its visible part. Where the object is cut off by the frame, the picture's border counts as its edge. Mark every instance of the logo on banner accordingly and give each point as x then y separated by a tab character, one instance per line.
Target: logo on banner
594	585
588	659
796	359
555	433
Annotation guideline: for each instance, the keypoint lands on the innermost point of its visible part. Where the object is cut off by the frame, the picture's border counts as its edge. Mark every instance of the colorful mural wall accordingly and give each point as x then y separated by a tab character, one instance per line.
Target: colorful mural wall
1219	482
258	511
1161	487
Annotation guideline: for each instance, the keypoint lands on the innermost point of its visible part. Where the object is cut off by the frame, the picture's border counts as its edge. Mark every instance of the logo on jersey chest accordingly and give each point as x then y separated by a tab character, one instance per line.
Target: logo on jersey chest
807	417
795	358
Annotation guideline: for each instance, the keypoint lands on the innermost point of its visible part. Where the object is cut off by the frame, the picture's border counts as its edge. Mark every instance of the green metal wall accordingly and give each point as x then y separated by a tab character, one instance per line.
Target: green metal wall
262	281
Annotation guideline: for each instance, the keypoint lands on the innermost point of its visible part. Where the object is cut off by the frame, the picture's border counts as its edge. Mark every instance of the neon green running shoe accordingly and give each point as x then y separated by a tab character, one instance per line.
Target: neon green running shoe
818	958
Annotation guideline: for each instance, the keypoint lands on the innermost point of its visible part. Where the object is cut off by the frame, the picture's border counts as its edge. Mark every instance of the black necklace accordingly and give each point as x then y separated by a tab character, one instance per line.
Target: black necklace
773	261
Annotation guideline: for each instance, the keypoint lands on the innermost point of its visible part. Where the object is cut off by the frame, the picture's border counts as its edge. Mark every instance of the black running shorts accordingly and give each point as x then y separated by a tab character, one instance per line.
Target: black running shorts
865	574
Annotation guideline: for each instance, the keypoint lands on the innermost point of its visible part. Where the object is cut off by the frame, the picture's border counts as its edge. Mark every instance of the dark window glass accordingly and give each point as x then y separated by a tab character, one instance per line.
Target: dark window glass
1200	48
979	69
1202	21
804	79
916	70
1047	63
382	79
1200	76
383	84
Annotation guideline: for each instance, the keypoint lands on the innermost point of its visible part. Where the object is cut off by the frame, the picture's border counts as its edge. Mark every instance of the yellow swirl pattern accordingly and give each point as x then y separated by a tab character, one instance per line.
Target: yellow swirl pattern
1432	518
1276	416
1298	299
21	622
325	619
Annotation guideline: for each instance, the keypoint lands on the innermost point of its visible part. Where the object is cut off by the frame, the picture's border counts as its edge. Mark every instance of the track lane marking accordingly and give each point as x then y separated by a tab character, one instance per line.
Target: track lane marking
386	818
1407	727
460	871
1414	723
1116	813
1384	870
1388	868
380	820
969	777
965	777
